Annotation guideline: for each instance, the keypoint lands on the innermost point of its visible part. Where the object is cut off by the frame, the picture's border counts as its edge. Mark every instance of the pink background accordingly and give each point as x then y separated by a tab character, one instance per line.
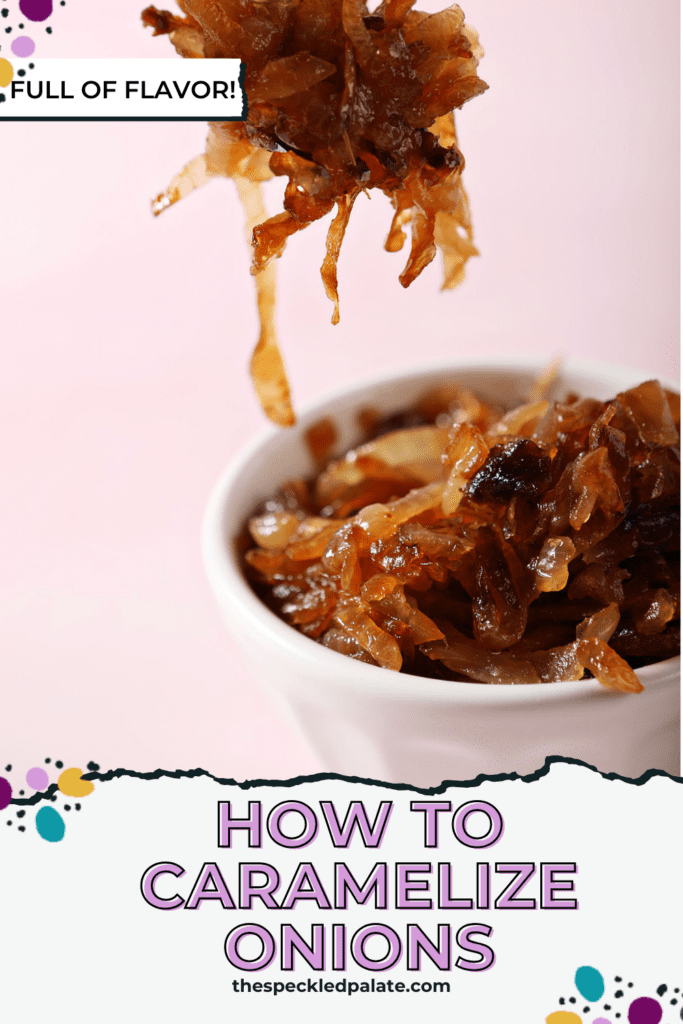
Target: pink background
125	340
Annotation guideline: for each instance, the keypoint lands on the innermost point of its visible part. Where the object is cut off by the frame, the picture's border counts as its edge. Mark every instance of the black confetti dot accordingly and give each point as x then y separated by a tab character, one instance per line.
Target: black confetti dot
571	999
8	768
48	30
59	764
5	12
630	984
618	994
677	990
53	798
67	807
673	1002
9	822
93	766
77	806
561	1000
8	29
617	979
20	814
661	990
2	97
607	1006
47	760
31	66
586	1009
21	792
617	1015
22	828
21	72
21	26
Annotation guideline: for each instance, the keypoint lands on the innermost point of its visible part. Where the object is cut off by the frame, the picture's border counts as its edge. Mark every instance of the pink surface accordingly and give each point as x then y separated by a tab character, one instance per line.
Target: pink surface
125	339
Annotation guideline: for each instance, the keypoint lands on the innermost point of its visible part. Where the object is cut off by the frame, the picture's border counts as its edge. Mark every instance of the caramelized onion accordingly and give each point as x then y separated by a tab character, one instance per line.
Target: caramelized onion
339	101
516	559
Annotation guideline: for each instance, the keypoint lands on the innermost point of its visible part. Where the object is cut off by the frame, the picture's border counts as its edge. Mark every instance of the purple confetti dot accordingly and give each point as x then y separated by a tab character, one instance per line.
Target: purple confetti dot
5	793
645	1011
37	778
36	10
23	46
601	1020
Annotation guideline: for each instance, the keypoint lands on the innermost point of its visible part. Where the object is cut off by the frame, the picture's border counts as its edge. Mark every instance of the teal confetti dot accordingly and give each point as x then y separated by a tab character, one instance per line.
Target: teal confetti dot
50	824
590	983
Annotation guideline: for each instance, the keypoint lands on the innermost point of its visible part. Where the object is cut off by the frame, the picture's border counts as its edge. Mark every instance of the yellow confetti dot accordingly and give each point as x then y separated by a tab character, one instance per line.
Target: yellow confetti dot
563	1017
71	784
6	72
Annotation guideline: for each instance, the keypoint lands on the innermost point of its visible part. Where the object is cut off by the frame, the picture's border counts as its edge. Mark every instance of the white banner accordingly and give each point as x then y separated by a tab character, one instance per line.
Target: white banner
113	89
189	899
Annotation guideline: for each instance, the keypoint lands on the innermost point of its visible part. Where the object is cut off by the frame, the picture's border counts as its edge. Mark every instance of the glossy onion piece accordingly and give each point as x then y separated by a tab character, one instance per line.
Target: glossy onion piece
310	610
274	565
466	451
193	175
601	625
651	413
341	558
376	522
267	368
439	546
397	236
654	612
522	420
416	502
423	630
287	75
423	249
499	616
608	668
593	482
273	529
342	642
311	539
551	568
454	236
467	658
559	664
335	237
418	450
601	582
380	645
402	458
379	586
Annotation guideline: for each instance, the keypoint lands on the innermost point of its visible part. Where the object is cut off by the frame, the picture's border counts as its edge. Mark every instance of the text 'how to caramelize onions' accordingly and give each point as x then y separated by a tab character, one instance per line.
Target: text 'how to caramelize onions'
464	543
340	101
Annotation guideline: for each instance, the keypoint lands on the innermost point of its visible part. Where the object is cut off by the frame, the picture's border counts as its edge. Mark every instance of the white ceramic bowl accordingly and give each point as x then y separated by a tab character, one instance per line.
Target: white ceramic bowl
369	722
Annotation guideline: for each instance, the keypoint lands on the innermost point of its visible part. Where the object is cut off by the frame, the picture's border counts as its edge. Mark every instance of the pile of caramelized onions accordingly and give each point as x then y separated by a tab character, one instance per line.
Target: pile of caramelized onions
340	101
467	543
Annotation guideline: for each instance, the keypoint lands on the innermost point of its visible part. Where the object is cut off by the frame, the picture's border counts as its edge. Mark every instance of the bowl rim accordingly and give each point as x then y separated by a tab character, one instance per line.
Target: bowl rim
228	582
